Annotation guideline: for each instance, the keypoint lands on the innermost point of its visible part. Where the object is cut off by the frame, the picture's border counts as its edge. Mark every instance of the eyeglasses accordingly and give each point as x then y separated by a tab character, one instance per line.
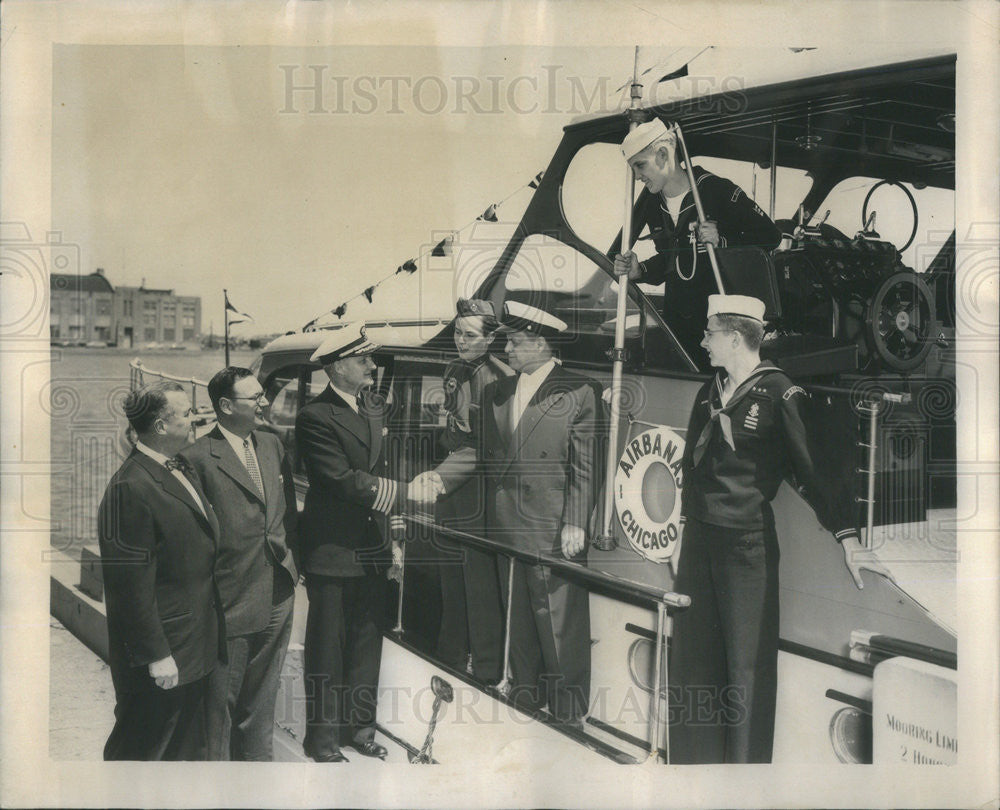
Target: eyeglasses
710	332
255	398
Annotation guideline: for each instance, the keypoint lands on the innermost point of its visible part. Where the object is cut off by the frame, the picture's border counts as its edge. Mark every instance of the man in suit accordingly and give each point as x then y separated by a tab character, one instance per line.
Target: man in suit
340	436
157	534
471	632
539	453
248	480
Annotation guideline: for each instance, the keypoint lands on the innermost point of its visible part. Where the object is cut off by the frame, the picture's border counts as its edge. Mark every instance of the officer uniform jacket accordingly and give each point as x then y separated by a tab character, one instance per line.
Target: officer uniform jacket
256	532
545	472
157	556
342	527
731	484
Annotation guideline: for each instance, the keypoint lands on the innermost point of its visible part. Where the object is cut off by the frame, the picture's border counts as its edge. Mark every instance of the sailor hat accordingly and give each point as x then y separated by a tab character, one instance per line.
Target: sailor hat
642	136
466	307
743	305
350	341
520	317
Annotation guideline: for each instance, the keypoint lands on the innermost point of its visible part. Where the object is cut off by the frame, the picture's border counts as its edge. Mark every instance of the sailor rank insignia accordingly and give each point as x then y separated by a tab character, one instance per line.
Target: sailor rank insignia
750	423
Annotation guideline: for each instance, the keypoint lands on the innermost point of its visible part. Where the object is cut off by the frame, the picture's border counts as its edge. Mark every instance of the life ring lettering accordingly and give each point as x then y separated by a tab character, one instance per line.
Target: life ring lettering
648	485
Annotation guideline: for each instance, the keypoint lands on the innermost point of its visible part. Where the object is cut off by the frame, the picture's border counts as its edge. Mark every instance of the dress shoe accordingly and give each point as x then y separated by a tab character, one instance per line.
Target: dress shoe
370	748
330	755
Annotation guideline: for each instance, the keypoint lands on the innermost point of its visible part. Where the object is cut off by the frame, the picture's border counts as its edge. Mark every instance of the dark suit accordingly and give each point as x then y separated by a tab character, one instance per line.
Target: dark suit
540	476
344	554
471	610
157	555
256	573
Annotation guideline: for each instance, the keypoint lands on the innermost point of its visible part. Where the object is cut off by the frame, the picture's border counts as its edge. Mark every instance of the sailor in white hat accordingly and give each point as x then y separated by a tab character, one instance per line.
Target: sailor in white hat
745	436
670	214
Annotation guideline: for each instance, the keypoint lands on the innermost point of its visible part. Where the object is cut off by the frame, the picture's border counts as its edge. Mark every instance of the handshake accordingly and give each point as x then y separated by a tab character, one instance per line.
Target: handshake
426	488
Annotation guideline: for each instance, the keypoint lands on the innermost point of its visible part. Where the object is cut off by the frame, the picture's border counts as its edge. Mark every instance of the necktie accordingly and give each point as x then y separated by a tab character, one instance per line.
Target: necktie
184	472
251	464
177	463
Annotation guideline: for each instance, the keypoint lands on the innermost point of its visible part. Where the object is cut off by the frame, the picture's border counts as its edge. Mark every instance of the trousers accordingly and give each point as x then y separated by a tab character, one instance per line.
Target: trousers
242	692
724	657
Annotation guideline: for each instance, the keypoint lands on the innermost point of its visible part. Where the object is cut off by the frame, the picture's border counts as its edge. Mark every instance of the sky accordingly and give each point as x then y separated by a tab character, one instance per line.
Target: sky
295	177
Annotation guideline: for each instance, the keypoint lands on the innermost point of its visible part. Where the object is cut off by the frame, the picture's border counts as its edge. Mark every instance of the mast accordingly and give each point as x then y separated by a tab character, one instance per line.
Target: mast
605	540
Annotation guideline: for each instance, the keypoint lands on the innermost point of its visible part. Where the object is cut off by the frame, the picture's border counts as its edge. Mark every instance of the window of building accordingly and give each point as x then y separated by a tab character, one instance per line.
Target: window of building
189	321
168	334
188	334
150	334
54	330
104	306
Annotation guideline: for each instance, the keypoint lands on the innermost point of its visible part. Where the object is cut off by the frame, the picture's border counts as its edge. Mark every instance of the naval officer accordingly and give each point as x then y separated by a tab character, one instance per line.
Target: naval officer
745	435
344	547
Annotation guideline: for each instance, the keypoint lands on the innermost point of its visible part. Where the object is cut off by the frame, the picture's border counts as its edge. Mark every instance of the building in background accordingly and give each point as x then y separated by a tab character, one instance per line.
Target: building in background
87	309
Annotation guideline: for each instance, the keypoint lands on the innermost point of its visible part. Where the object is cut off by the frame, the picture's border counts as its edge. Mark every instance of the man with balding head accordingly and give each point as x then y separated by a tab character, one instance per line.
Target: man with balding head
158	537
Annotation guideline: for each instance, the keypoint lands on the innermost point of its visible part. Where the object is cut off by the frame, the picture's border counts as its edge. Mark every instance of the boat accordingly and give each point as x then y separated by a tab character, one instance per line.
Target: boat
858	170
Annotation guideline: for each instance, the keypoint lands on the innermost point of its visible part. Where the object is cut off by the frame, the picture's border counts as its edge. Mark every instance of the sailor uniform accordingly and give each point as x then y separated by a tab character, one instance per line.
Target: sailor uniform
740	222
735	458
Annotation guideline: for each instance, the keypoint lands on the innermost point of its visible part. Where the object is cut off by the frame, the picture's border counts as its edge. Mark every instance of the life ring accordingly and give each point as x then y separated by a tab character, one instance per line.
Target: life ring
648	492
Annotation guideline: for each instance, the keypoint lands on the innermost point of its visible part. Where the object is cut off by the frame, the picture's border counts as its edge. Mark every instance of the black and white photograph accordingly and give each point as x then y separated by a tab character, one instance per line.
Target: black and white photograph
499	404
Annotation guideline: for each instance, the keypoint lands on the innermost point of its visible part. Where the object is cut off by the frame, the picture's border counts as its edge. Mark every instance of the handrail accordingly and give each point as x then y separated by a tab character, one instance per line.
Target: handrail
137	375
654	596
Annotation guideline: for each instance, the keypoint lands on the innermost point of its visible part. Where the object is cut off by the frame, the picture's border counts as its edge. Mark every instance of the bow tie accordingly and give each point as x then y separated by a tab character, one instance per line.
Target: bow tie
177	463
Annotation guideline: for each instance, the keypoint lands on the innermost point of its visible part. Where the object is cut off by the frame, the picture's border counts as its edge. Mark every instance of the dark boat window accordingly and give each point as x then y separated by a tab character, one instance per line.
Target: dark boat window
282	390
547	272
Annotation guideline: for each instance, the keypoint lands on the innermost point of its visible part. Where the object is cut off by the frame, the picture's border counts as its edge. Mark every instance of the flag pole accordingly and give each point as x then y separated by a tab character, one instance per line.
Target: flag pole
605	539
225	314
698	206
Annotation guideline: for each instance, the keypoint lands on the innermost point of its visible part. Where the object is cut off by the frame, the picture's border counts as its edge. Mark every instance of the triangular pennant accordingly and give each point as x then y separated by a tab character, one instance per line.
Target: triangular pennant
341	310
231	308
409	266
442	248
677	74
490	214
538	179
369	293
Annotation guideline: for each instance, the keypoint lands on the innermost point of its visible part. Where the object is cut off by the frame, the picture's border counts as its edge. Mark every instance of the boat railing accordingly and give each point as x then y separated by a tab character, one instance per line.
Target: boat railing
663	601
138	377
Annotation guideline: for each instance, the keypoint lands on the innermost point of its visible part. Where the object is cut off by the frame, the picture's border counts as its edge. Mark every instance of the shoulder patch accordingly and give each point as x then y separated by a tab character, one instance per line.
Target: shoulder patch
737	191
795	389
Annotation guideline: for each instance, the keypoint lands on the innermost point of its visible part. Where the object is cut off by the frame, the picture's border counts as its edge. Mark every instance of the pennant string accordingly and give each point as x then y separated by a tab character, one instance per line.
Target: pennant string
410	266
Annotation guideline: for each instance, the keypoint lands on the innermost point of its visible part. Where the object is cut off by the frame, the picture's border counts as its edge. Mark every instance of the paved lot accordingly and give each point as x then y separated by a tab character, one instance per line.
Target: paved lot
81	698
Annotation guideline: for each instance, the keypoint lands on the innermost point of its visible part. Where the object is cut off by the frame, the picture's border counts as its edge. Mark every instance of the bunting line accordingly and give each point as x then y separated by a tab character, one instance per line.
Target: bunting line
410	266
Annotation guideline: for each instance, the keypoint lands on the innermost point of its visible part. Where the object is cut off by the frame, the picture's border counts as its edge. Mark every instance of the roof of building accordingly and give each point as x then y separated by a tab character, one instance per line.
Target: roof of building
95	282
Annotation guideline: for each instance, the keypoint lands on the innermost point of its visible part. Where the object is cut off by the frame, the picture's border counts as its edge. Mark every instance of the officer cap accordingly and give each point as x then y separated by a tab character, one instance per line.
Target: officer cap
349	341
520	317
